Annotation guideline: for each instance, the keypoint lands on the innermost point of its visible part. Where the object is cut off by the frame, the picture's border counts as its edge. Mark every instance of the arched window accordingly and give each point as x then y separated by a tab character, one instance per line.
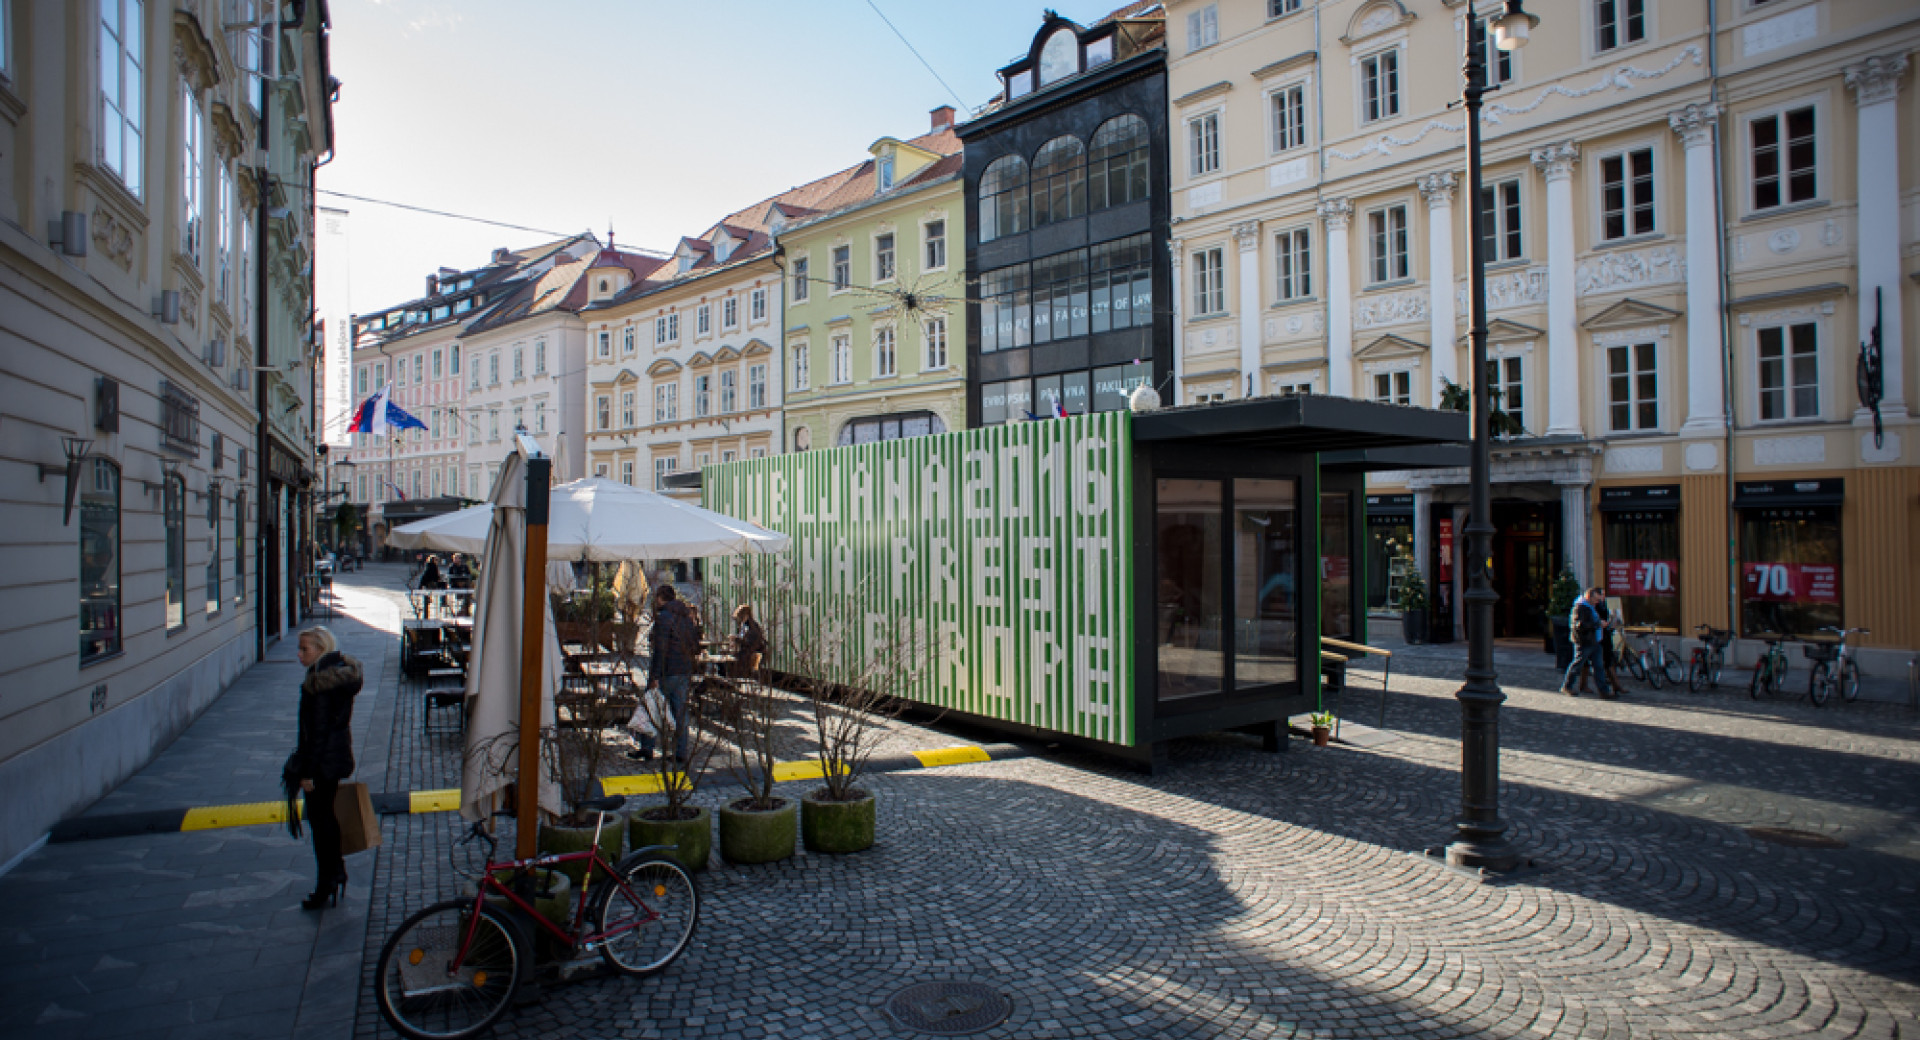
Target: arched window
1117	167
1059	181
213	549
1003	198
240	539
99	560
176	534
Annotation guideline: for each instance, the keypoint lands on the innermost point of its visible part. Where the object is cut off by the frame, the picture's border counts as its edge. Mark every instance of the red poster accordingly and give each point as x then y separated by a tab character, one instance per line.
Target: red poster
1446	548
1643	577
1339	570
1791	582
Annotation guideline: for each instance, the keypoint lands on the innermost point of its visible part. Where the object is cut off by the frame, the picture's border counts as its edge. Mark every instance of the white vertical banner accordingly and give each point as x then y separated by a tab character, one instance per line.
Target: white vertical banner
333	305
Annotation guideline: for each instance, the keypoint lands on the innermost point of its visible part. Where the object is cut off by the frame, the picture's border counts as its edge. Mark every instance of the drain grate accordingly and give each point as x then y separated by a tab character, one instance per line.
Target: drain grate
949	1008
1795	839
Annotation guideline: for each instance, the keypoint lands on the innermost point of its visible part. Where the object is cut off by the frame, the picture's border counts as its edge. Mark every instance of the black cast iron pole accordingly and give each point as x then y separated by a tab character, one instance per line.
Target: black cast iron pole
1481	840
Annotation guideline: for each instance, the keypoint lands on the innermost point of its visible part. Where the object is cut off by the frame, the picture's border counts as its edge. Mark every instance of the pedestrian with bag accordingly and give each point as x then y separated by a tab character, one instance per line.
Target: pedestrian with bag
1588	631
672	645
322	756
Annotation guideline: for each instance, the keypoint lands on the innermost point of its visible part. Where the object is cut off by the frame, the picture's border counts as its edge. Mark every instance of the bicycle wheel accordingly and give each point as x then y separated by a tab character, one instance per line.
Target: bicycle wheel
1649	668
1759	680
1697	672
1636	666
1850	681
421	994
1820	684
655	914
1715	662
1670	664
1777	678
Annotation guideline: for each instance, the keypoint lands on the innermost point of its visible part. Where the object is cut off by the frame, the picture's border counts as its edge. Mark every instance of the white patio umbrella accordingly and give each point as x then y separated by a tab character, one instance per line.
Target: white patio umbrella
493	676
560	577
598	519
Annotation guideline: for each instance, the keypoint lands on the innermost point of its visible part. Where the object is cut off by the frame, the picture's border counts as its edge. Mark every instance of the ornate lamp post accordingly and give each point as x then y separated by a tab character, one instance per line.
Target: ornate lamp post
1481	838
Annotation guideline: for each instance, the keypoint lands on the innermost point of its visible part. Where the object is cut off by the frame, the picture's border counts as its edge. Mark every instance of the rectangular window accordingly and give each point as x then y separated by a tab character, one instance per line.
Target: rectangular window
729	392
1617	23
757	305
702	396
493	423
799	279
223	236
935	334
883	353
1783	159
1203	144
1209	282
603	412
192	151
1393	387
1006	309
1501	204
362	380
1789	372
882	258
626	472
666	329
175	521
799	365
1287	108
1643	563
122	93
1388	259
100	622
540	357
519	363
1122	283
1293	264
1203	27
1790	569
1187	528
756	387
662	467
626	341
842	267
1626	194
1276	8
1506	378
540	417
453	361
419	368
1633	388
936	236
493	369
842	359
702	320
473	427
439	359
628	420
1380	86
730	313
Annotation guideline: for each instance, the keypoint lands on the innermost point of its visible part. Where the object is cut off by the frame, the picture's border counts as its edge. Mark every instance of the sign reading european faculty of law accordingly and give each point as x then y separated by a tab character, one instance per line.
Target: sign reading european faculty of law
1005	549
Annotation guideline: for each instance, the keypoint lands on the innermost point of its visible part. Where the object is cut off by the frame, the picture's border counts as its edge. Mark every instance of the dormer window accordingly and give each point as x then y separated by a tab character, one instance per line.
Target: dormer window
1100	51
686	264
1020	84
1059	57
883	173
603	286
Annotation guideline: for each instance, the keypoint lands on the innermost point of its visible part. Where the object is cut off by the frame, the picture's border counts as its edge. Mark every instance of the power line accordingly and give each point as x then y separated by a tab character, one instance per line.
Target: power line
441	213
916	53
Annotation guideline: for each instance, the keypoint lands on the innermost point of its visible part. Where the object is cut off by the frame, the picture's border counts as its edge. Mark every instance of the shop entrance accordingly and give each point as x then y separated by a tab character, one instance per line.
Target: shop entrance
1526	550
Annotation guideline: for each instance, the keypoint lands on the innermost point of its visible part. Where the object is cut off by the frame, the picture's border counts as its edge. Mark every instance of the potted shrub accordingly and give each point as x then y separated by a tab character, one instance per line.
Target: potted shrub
687	827
848	719
1413	605
1322	722
1560	597
760	827
574	754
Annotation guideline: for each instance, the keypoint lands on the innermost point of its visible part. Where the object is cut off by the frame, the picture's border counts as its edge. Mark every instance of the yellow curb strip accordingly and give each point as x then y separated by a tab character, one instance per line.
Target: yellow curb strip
444	800
785	771
642	783
953	756
209	817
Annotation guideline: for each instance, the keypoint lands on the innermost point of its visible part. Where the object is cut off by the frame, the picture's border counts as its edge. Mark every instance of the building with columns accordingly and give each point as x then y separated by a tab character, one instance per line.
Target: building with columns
1696	214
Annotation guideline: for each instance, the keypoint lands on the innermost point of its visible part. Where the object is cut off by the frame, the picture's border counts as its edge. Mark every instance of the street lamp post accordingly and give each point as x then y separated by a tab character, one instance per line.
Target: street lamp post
1481	838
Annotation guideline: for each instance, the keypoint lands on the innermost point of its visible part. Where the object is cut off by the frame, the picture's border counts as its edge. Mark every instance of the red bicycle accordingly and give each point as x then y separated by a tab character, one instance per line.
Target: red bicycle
451	970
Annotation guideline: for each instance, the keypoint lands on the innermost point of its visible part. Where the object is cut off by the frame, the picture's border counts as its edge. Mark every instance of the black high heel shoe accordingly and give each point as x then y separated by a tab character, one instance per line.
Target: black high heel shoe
328	894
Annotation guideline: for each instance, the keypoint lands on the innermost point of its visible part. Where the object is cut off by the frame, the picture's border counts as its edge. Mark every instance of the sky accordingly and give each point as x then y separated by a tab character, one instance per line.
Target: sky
654	117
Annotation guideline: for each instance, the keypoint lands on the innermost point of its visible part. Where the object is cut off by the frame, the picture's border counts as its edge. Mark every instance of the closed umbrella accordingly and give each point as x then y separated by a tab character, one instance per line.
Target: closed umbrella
560	577
493	676
598	519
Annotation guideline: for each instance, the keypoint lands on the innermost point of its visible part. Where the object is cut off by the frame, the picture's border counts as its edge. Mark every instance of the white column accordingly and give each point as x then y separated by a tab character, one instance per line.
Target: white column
1876	90
1246	235
1573	523
1174	396
1706	394
1555	163
1437	189
1423	536
1338	213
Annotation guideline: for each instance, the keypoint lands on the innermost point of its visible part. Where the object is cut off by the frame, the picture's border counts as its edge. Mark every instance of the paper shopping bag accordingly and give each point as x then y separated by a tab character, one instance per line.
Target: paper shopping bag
359	827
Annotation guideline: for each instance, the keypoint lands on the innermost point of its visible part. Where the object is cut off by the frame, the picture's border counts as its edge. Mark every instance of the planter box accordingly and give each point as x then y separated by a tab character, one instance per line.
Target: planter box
747	836
693	838
837	826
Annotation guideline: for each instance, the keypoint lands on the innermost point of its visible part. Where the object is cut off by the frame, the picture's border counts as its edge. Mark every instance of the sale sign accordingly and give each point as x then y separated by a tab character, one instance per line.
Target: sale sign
1642	577
1792	582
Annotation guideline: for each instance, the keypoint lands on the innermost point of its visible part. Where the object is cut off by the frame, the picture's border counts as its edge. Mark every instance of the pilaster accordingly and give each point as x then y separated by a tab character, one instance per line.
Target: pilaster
1338	215
1876	89
1555	163
1706	396
1437	189
1246	235
1175	252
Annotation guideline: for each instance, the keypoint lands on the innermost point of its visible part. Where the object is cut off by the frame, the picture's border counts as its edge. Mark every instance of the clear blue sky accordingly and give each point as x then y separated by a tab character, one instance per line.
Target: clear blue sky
657	116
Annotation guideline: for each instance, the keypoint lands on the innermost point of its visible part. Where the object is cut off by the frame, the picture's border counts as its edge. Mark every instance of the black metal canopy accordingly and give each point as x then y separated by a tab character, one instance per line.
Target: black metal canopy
1310	423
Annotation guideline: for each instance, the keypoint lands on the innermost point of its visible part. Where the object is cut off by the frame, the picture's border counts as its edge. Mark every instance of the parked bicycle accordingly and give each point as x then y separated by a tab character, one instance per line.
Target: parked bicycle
1654	662
1771	670
1833	667
450	971
1709	658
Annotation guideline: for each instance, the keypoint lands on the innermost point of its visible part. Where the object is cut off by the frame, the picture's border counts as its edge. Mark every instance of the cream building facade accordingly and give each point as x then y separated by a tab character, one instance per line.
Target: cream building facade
1697	214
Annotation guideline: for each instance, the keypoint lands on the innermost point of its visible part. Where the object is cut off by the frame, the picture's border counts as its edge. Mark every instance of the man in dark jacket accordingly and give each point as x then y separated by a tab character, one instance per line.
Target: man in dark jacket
1588	628
672	645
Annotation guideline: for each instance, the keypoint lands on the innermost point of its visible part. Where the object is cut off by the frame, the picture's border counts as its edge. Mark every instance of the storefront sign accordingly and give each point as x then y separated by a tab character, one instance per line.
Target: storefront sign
284	467
1791	582
1642	577
1749	494
1006	551
1645	496
1396	504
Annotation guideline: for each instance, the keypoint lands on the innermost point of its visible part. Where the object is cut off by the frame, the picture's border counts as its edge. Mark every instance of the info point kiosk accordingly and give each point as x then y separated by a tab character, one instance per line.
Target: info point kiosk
1114	580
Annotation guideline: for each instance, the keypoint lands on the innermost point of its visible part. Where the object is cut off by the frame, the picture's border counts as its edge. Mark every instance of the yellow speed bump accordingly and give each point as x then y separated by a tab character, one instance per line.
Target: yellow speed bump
953	756
444	800
641	783
209	817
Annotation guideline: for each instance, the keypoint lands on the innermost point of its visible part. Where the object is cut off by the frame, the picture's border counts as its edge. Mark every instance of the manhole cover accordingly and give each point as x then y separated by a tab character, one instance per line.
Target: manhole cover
949	1008
1795	839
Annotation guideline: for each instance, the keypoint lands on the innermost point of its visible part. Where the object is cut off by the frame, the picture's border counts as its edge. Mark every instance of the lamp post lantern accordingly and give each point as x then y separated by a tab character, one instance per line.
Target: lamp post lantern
1481	835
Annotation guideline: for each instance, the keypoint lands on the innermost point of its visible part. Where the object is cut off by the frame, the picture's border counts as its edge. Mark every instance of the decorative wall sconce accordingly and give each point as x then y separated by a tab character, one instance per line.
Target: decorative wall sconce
75	449
69	233
166	307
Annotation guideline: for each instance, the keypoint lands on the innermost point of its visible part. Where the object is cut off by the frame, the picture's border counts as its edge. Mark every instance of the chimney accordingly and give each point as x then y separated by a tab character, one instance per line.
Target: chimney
501	255
433	285
942	117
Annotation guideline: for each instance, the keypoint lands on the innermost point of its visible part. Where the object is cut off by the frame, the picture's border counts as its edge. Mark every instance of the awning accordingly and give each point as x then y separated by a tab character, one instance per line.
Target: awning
1756	494
1304	423
1639	497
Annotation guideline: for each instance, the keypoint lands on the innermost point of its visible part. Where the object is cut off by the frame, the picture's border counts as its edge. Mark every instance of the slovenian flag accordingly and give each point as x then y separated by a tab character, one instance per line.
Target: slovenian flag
378	415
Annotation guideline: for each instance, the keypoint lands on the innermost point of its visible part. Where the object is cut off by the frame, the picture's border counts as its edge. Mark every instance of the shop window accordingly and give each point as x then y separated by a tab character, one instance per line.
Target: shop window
1643	565
1188	601
175	514
100	629
1113	385
1005	401
1389	549
1336	564
1789	570
1266	597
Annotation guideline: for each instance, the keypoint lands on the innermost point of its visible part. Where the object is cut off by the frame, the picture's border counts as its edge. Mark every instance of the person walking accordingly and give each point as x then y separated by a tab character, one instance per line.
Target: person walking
749	642
323	754
1588	629
672	645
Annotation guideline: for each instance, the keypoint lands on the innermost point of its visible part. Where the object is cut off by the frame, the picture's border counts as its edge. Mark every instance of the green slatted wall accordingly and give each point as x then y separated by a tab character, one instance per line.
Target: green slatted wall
1006	545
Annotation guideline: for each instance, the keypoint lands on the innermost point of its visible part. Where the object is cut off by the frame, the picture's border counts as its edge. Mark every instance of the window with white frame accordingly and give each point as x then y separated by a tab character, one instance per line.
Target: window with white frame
540	417
666	402
419	368
883	257
1617	23
519	418
842	267
122	97
626	472
437	358
730	313
756	386
800	279
626	341
842	359
1626	194
883	173
755	453
493	368
1501	238
883	353
662	467
798	353
603	346
473	426
1785	170
1395	387
223	235
1209	282
539	357
1285	388
192	151
1276	8
935	334
1633	387
1203	27
757	305
493	424
1203	144
934	232
1287	118
453	360
476	379
702	396
1380	86
1293	264
599	470
1507	378
1499	63
627	416
1388	259
666	328
729	391
1789	371
603	412
702	320
519	361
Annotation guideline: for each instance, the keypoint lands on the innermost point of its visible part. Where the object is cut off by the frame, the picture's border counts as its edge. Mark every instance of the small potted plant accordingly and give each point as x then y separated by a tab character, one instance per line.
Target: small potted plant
1560	597
1413	605
849	718
1322	722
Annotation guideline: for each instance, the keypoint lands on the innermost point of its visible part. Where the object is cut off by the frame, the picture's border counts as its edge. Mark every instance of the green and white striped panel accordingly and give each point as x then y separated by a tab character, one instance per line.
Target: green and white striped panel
1005	549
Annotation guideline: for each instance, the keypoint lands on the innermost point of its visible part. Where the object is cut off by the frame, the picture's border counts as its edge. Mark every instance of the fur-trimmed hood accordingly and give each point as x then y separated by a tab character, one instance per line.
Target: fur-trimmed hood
333	673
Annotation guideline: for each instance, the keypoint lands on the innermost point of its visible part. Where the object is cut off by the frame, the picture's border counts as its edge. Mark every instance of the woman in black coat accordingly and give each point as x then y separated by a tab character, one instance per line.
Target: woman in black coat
323	755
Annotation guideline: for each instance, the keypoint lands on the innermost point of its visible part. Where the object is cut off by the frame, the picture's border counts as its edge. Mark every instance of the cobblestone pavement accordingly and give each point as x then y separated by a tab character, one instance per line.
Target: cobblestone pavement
1243	894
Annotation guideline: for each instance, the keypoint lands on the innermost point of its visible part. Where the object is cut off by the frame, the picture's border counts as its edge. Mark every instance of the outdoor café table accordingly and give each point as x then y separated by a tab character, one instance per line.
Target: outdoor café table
716	664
